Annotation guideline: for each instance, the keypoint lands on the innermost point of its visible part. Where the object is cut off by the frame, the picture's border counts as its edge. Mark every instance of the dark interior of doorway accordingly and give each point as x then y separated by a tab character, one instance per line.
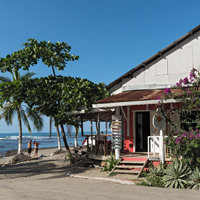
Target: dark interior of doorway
142	130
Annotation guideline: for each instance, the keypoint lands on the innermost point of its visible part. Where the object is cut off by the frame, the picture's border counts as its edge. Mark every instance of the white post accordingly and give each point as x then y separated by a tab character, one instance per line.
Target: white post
117	151
91	135
162	156
154	146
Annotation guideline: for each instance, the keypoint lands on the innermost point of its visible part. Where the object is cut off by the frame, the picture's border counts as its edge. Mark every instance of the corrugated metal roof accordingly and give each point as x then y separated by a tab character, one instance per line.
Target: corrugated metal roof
136	95
155	56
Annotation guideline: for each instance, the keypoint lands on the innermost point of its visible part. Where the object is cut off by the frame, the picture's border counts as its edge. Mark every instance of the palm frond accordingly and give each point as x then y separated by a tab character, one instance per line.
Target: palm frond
4	79
27	75
36	118
8	112
16	75
24	118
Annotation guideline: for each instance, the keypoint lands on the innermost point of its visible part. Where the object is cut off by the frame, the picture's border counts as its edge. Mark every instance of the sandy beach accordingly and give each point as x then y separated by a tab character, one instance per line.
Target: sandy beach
46	152
55	166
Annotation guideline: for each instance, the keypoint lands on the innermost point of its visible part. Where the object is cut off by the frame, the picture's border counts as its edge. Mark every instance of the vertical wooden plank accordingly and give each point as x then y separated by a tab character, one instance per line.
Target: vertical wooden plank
98	123
106	127
95	145
87	144
105	149
134	132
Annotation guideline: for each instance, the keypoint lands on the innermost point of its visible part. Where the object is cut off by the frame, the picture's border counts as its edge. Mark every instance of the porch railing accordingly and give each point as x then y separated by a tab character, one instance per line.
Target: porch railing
100	140
154	150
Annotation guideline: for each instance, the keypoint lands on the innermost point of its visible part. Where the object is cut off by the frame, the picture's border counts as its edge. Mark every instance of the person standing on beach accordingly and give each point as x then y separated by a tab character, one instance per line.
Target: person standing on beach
29	148
36	144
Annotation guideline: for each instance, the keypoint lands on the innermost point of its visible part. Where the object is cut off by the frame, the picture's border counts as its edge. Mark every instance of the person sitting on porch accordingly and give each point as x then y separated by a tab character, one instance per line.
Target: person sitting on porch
101	137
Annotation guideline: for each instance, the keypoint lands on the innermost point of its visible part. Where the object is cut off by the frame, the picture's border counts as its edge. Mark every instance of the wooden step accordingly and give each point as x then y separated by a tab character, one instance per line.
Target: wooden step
132	161
127	171
129	166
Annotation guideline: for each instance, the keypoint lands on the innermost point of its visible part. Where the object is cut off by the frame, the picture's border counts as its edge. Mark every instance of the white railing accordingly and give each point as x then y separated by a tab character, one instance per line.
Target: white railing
154	144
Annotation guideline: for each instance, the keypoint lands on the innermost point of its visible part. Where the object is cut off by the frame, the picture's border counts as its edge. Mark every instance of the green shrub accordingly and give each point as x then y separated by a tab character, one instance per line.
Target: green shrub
176	175
110	163
154	177
194	180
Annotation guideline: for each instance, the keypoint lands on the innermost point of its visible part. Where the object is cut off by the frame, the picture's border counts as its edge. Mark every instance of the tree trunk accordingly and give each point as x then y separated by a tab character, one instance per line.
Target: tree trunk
20	133
64	139
75	139
50	125
58	134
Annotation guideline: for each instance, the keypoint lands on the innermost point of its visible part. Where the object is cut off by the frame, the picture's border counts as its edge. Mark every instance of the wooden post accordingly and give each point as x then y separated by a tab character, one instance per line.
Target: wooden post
95	145
87	144
105	148
98	124
96	128
106	127
117	151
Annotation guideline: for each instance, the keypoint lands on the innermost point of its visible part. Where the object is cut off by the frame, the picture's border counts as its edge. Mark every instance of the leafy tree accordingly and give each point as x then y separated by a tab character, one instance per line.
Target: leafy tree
52	54
12	103
55	96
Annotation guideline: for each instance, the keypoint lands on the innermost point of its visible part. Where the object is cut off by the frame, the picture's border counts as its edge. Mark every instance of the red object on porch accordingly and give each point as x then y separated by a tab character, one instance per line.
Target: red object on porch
133	159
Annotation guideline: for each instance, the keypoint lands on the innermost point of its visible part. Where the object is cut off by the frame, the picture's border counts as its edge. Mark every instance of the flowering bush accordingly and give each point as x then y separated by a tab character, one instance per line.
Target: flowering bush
187	143
185	146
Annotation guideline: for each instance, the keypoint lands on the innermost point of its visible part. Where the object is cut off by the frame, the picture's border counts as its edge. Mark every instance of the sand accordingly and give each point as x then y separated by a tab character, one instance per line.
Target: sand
55	166
46	152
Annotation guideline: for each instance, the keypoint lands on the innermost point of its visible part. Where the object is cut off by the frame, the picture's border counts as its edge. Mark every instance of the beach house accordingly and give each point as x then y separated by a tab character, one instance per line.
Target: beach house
134	94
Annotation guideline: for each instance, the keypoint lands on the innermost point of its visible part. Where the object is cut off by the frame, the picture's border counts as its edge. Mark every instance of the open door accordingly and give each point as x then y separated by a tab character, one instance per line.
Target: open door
142	122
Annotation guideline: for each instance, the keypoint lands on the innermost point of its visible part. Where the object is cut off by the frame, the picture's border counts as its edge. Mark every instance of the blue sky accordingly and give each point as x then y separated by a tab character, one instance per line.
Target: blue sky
110	36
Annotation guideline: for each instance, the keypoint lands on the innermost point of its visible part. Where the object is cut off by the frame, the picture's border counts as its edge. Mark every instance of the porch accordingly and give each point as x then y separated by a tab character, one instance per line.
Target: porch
102	148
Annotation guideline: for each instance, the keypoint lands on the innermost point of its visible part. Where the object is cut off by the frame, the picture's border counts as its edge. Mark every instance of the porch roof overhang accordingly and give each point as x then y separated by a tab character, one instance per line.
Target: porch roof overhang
103	114
131	103
129	98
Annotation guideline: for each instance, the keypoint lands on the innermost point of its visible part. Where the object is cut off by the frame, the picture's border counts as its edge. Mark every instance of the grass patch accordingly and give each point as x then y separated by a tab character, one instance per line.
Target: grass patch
113	174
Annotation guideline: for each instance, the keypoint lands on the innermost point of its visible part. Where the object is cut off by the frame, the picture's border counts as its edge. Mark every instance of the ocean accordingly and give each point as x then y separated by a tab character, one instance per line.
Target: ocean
9	141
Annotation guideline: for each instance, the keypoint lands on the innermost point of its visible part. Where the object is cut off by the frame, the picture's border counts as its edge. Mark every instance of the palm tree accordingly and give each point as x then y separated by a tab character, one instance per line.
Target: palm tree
22	111
57	130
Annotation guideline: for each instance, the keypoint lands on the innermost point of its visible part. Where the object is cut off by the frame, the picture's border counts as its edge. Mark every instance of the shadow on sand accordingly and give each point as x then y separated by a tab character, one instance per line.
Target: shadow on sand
54	167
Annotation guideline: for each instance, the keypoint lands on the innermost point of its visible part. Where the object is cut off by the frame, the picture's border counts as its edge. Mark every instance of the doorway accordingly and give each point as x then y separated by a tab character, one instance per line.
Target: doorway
142	122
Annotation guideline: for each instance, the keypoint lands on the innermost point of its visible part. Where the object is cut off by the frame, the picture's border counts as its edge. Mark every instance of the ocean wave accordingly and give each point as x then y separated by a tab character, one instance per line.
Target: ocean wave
2	138
28	137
